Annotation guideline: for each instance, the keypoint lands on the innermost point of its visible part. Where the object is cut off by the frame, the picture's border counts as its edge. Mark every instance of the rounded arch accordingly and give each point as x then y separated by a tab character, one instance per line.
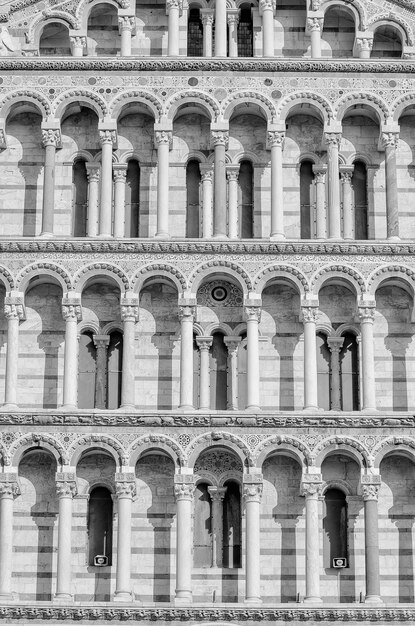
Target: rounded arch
396	21
88	7
370	103
154	442
245	98
151	103
337	483
7	278
53	17
282	444
285	273
40	441
47	269
208	104
355	9
219	439
158	269
347	328
97	442
98	270
195	155
395	445
340	273
88	327
341	445
81	155
218	327
220	267
23	97
324	328
88	99
401	104
303	102
392	273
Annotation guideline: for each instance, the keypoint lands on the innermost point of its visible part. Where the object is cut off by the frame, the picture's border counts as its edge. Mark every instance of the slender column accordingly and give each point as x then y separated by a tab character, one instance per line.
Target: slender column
217	495
163	139
183	490
204	344
51	140
335	345
390	143
319	179
266	9
220	28
232	343
126	25
93	173
312	491
206	171
232	173
364	47
233	19
333	142
14	311
252	490
9	489
129	316
346	173
126	489
252	316
207	21
101	343
65	491
107	139
276	145
314	27
173	11
71	313
120	176
186	316
367	318
310	313
220	143
370	492
78	45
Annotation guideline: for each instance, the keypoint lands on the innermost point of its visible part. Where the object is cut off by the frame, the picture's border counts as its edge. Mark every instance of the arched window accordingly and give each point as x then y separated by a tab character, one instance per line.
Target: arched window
218	357
100	525
87	371
338	32
246	204
192	199
132	200
359	185
114	371
242	373
202	534
54	40
306	202
245	32
323	372
334	526
386	43
194	34
104	38
80	198
232	525
196	373
349	373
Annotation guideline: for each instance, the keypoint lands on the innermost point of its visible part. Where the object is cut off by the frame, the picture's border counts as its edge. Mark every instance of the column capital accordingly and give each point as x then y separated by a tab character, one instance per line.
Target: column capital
173	4
309	313
130	309
219	138
232	172
125	485
252	487
370	485
207	16
51	137
163	137
311	485
119	172
366	310
332	138
108	137
77	41
71	308
232	343
233	16
9	485
275	138
206	171
93	171
389	139
266	5
187	312
364	43
204	343
335	343
217	493
319	172
101	341
184	486
14	307
66	486
126	22
315	24
346	173
3	137
252	312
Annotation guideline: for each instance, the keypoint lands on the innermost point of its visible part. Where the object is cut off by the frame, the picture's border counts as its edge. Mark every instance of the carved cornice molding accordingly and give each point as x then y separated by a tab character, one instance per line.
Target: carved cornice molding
208	614
354	66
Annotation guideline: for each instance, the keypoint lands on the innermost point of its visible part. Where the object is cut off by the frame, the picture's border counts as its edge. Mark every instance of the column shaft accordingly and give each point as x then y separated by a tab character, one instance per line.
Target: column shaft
163	147
321	226
220	28
310	357
368	359
207	219
173	28
186	357
333	140
348	213
65	491
233	33
219	226
129	314
50	141
335	344
183	489
390	142
120	177
101	342
276	142
252	497
370	495
93	173
125	493
315	26
13	315
106	183
253	315
204	344
312	567
207	19
7	493
217	494
267	28
71	313
126	24
232	175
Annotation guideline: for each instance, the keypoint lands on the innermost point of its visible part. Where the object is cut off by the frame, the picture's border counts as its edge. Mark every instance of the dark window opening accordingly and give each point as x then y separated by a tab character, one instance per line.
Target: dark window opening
218	358
306	205
80	198
359	185
194	34
132	200
202	535
192	199
86	372
349	373
334	527
323	372
246	204
245	33
232	526
114	371
100	525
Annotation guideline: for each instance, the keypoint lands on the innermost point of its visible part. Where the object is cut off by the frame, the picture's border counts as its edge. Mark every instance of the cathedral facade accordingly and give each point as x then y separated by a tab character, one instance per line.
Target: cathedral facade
207	363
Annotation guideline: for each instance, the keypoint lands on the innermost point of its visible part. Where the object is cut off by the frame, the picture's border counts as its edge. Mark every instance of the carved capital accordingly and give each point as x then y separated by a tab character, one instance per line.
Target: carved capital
173	4
108	137
51	138
252	313
332	139
78	41
219	138
125	485
364	43
370	492
275	138
101	341
232	17
66	488
184	486
187	312
266	5
126	22
389	140
163	137
130	311
206	172
366	314
9	486
119	172
14	308
217	493
93	172
335	344
207	17
204	343
310	314
232	172
314	23
252	490
232	343
311	489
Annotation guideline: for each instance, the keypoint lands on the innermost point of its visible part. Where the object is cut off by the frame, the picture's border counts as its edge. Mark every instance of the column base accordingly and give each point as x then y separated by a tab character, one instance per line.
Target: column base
253	408
373	600
9	407
394	238
184	598
187	407
45	235
311	409
123	596
162	236
9	597
312	600
127	407
62	598
220	236
69	407
252	601
277	237
104	236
